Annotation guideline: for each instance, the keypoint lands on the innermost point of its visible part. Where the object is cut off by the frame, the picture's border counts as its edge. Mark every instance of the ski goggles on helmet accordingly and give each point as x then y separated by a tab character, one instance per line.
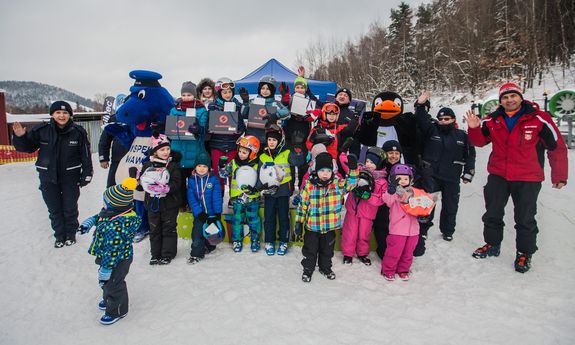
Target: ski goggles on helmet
331	108
244	142
225	86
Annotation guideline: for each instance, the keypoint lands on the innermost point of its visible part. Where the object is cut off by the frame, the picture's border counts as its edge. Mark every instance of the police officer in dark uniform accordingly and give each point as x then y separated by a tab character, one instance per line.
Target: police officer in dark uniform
64	165
447	158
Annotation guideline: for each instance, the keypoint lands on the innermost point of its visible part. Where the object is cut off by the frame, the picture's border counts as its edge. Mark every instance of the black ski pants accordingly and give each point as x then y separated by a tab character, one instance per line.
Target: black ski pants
524	195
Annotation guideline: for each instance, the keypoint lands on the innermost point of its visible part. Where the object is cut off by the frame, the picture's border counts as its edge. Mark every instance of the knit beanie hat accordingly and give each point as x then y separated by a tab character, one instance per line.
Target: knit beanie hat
323	161
391	145
203	159
61	105
277	135
445	112
510	88
374	158
346	90
120	195
189	87
159	141
300	81
317	149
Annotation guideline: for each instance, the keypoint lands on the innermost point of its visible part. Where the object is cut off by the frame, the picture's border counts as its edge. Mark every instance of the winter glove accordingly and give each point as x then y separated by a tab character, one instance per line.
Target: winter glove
104	275
346	144
85	180
400	192
222	162
314	114
271	118
423	219
365	195
248	189
214	218
284	92
298	231
194	129
87	224
244	95
370	119
467	177
202	217
159	188
296	200
392	186
352	161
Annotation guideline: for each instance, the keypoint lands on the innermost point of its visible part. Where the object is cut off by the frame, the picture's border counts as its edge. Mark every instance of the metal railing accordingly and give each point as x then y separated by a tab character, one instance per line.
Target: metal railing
91	121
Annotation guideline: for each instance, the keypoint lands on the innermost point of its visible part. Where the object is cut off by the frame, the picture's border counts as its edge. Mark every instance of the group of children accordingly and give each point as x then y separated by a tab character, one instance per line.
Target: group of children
256	162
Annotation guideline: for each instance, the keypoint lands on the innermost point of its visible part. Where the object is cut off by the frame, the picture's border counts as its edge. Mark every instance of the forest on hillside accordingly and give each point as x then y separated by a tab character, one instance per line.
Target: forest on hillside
450	45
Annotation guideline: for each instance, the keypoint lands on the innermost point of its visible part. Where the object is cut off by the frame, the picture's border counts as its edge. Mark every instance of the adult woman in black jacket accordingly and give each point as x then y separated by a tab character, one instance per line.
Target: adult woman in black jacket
64	165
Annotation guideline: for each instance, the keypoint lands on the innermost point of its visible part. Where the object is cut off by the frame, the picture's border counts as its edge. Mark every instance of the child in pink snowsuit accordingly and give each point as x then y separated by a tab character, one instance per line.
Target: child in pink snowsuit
361	207
403	227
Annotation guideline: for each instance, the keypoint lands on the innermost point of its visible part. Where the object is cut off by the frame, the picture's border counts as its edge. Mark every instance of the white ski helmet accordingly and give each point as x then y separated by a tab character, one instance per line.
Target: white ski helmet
246	175
272	175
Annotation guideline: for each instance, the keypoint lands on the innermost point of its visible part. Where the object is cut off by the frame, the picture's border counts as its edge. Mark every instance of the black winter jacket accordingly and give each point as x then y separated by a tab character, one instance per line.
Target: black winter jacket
64	154
447	149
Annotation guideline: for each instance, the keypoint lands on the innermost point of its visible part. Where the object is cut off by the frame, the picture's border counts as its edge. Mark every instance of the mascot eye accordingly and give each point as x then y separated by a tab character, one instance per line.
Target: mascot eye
377	101
397	101
142	94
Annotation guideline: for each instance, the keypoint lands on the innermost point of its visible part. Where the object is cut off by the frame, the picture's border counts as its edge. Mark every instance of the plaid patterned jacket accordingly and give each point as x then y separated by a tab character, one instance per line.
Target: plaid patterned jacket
320	207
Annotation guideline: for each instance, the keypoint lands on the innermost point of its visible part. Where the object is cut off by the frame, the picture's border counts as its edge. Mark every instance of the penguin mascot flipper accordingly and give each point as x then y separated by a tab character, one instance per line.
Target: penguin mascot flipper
367	133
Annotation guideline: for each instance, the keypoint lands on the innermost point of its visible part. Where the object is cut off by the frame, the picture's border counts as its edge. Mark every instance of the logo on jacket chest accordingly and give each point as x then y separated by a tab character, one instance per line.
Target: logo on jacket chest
528	135
73	143
210	185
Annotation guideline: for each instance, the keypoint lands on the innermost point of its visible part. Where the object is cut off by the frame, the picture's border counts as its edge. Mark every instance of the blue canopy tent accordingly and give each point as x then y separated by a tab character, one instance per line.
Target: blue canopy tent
274	68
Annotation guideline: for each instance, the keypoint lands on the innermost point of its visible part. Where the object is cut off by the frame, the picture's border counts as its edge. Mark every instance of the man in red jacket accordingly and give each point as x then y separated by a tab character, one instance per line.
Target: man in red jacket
519	133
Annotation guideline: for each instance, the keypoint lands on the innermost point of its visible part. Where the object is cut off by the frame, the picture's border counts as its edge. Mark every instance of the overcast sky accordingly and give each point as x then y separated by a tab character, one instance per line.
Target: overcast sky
89	47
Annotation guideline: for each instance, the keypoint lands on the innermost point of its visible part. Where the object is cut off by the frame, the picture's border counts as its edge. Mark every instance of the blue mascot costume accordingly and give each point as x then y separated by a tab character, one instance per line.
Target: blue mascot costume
144	110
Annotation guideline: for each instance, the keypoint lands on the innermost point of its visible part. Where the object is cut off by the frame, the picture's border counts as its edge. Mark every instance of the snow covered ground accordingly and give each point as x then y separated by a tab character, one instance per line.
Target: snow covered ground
50	296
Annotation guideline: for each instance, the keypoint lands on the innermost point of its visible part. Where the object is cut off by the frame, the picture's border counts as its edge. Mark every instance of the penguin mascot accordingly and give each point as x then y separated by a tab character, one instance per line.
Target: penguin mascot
387	121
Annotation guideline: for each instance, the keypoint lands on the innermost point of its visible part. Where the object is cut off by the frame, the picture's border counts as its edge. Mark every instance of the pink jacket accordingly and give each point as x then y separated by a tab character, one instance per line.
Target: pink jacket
400	223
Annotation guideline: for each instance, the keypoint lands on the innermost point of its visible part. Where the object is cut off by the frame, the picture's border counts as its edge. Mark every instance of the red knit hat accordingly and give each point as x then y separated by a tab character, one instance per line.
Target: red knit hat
509	88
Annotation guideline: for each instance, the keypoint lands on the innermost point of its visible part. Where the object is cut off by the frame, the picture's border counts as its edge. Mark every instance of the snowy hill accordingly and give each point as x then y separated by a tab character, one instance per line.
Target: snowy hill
27	94
50	296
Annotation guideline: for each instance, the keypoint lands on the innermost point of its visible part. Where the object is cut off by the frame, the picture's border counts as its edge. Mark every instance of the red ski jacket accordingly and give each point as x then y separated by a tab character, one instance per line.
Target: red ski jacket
519	155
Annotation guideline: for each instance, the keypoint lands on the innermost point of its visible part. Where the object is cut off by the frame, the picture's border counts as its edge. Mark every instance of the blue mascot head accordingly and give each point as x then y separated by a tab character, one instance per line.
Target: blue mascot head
144	109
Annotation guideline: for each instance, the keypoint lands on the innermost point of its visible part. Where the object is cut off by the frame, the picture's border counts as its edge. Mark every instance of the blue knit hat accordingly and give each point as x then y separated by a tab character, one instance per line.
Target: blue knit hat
120	195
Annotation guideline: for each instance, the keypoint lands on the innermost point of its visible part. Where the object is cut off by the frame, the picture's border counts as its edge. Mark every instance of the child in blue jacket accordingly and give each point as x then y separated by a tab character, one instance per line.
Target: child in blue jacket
205	199
116	225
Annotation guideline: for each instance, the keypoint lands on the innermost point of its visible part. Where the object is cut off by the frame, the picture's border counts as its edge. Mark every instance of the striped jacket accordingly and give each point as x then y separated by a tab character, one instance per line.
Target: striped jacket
320	207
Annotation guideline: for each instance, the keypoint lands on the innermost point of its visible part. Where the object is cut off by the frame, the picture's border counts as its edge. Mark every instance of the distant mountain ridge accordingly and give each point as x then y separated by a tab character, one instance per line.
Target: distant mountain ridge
29	94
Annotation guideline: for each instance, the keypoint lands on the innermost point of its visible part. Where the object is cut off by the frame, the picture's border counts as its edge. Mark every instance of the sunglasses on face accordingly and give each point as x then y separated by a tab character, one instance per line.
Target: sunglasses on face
444	118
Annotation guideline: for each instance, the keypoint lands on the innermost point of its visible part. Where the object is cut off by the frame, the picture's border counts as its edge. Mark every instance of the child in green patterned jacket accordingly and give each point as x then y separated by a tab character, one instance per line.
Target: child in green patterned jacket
116	225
